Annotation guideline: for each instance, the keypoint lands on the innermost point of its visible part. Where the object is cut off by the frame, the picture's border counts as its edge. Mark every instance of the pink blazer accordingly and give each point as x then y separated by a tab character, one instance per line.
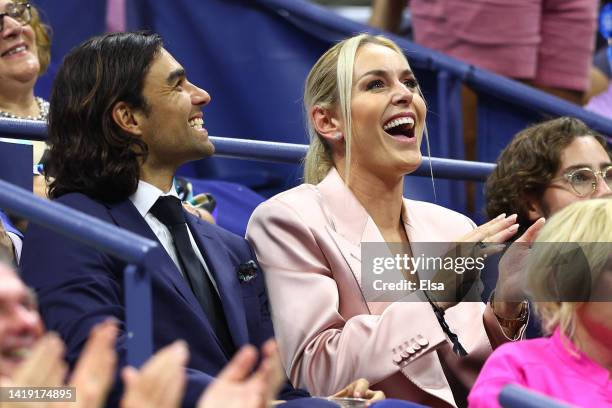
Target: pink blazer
308	242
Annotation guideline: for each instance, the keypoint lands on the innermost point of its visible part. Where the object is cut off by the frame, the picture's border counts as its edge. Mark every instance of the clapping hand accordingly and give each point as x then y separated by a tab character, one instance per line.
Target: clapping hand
237	387
92	377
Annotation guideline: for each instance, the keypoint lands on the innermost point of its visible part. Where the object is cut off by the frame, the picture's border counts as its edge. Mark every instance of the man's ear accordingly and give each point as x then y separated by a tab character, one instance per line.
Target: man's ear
327	124
535	209
127	118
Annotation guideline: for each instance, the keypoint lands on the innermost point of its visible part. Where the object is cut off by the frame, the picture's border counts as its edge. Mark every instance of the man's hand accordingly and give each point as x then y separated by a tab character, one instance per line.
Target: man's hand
199	212
160	383
94	372
92	377
236	387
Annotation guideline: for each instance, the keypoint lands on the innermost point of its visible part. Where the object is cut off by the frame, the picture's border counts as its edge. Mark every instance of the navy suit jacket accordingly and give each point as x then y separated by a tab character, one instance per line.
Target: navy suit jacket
79	286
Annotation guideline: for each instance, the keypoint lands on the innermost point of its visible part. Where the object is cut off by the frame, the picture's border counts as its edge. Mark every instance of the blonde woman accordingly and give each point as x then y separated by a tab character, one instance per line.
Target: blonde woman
366	117
570	278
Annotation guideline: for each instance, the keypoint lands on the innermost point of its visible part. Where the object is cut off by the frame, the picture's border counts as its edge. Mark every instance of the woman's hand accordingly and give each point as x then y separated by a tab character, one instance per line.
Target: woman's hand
509	290
360	389
480	242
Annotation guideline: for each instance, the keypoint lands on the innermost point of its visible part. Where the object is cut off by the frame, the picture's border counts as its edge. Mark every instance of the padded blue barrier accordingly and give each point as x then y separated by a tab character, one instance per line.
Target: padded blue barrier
514	396
273	152
118	242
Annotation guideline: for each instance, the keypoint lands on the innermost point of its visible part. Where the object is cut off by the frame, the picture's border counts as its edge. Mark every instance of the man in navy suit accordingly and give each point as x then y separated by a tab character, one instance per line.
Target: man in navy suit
123	118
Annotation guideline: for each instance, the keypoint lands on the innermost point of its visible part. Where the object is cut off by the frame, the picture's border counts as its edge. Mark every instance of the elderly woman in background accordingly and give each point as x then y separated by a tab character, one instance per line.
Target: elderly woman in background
366	117
569	276
24	55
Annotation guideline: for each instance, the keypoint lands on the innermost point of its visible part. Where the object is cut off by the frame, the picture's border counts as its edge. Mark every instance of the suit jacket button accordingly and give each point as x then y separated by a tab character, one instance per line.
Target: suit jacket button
397	359
415	345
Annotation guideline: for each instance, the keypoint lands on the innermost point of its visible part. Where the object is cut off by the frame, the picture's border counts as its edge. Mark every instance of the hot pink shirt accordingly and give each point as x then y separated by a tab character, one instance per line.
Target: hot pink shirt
543	365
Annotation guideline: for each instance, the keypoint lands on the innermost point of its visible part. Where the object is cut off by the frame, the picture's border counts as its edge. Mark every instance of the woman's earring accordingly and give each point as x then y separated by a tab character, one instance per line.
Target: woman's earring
338	136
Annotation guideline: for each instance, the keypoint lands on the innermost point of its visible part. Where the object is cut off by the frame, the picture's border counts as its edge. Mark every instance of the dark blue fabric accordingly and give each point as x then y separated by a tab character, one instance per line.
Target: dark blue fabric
78	286
16	164
235	203
309	402
394	403
71	22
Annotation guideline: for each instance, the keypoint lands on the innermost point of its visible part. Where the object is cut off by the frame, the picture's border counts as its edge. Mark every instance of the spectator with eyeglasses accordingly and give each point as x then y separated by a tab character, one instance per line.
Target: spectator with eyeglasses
546	167
24	55
568	276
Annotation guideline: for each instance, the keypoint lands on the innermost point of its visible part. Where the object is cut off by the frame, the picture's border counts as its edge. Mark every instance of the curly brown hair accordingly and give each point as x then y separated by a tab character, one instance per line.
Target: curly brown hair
43	39
528	164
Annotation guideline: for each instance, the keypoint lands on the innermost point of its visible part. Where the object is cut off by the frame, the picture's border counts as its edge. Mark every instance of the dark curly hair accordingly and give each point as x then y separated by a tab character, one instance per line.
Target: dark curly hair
527	165
89	152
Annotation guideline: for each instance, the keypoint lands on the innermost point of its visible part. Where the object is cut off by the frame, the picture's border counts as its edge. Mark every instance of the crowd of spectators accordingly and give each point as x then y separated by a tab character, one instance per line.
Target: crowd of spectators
123	117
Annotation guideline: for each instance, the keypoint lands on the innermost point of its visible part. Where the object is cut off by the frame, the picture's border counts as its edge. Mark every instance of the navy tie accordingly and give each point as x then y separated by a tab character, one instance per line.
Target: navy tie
169	211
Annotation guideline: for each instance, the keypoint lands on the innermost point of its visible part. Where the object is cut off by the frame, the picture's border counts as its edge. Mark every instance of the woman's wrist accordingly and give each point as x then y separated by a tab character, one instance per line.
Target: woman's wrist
512	316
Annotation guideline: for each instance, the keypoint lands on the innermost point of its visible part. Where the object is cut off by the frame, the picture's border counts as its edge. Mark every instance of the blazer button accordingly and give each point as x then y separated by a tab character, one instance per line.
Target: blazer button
415	345
423	342
407	353
397	359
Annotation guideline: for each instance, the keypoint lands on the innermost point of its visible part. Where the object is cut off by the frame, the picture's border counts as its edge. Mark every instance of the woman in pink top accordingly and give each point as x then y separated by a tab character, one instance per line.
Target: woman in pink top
574	364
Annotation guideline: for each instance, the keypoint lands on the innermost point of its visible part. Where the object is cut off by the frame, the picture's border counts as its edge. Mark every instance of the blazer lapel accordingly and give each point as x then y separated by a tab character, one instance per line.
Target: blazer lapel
225	274
127	216
349	226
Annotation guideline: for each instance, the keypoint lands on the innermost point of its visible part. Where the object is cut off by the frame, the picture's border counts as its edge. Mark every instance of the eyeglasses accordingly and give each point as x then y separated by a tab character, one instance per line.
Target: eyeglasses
19	12
584	180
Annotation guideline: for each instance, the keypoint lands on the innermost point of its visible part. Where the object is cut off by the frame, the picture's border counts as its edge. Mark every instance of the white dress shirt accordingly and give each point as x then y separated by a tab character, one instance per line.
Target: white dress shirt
143	199
17	245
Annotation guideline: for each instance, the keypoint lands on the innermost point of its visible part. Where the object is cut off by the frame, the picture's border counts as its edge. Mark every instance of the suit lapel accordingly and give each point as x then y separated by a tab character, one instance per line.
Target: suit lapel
225	274
127	216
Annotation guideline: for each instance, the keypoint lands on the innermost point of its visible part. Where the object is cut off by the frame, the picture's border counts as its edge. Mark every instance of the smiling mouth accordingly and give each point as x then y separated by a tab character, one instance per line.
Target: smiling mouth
15	354
400	128
196	123
13	51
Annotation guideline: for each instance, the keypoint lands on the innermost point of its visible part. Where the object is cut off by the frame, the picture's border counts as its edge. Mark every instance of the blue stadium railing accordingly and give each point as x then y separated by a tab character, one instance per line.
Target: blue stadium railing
514	396
116	241
273	152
